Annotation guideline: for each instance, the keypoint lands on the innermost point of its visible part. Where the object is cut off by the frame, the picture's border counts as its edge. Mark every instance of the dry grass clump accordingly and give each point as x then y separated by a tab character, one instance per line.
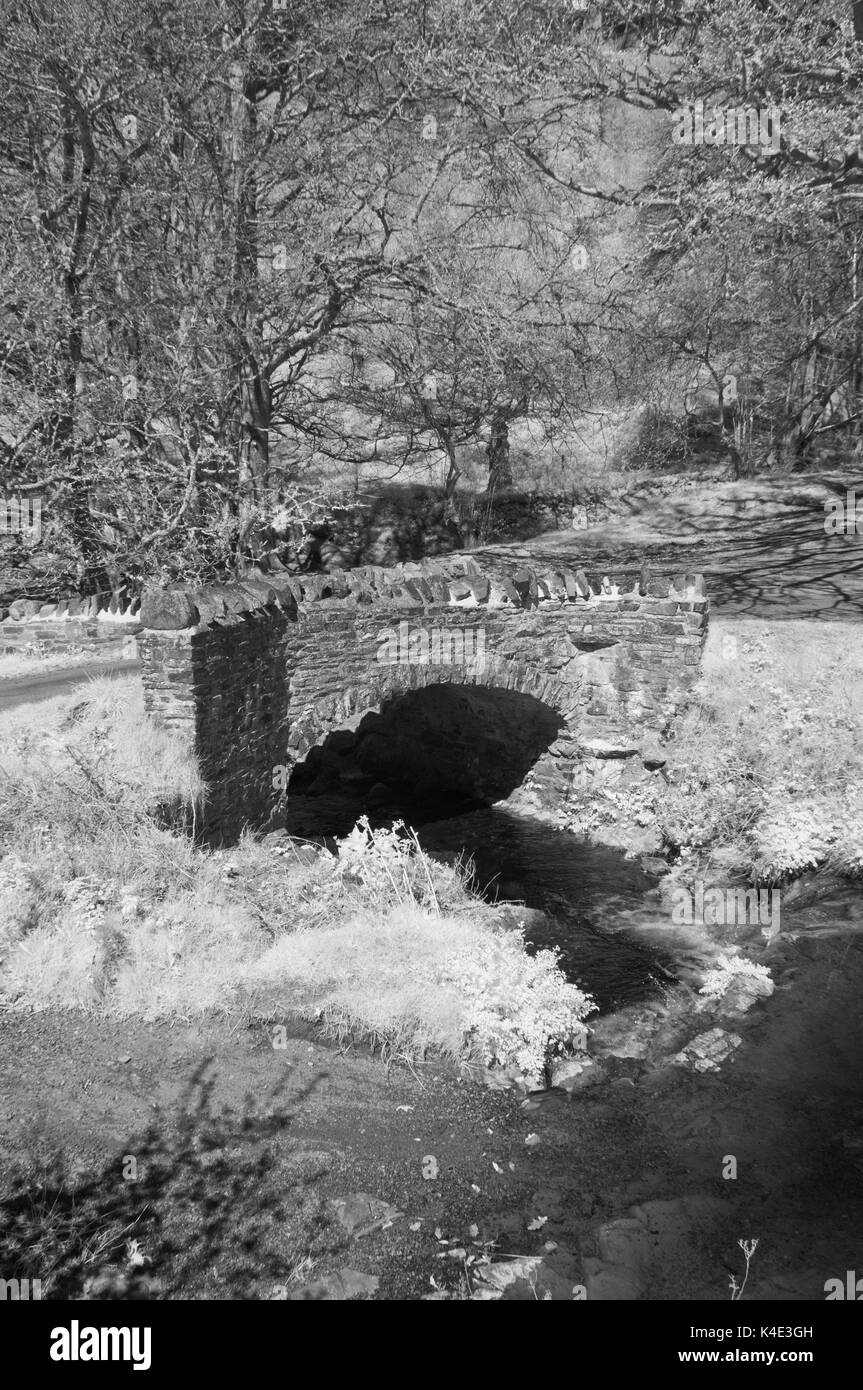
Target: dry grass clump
80	777
414	983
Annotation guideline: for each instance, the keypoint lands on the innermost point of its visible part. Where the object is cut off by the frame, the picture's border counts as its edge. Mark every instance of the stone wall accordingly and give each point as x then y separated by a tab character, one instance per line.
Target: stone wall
256	675
102	624
410	523
516	515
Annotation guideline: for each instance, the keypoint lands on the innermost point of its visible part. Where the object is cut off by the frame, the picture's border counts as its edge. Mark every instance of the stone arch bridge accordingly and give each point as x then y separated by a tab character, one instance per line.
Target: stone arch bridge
481	675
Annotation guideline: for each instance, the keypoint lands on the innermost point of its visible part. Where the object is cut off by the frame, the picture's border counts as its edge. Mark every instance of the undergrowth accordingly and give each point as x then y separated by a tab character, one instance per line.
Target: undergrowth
125	917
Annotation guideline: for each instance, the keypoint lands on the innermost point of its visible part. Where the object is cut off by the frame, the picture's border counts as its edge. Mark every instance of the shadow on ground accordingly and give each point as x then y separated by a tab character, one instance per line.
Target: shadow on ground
203	1204
761	546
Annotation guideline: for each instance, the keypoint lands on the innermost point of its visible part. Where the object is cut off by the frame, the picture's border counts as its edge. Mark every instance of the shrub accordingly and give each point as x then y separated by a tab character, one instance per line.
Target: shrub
731	970
811	832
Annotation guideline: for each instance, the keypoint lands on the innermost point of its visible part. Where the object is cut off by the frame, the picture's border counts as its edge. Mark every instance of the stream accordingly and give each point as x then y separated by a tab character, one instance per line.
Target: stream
612	939
603	911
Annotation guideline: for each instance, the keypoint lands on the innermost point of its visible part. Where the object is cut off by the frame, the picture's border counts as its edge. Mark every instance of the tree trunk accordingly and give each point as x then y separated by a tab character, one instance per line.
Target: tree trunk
497	453
250	397
453	472
65	432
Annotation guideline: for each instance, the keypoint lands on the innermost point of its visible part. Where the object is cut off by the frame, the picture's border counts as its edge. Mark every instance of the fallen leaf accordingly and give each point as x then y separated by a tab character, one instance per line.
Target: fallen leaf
537	1223
135	1255
360	1214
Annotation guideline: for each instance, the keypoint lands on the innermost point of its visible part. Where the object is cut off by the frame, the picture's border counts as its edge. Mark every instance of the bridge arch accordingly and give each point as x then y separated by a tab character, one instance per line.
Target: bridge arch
387	683
449	735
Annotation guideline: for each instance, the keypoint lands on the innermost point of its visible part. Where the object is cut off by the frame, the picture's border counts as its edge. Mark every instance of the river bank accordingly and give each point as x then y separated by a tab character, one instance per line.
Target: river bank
234	1207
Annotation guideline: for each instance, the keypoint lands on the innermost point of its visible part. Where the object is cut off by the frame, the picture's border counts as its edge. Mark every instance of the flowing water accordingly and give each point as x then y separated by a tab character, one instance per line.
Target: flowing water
601	908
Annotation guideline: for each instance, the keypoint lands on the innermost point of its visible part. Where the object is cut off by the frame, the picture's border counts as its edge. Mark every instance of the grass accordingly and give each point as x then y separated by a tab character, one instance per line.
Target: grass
417	982
105	910
80	777
766	767
30	661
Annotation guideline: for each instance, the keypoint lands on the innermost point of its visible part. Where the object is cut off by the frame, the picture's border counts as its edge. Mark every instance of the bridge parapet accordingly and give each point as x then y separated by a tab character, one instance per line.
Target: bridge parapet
456	582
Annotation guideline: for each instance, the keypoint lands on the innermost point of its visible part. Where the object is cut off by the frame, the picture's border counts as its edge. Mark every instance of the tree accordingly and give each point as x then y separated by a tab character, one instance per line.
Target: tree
206	193
756	265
